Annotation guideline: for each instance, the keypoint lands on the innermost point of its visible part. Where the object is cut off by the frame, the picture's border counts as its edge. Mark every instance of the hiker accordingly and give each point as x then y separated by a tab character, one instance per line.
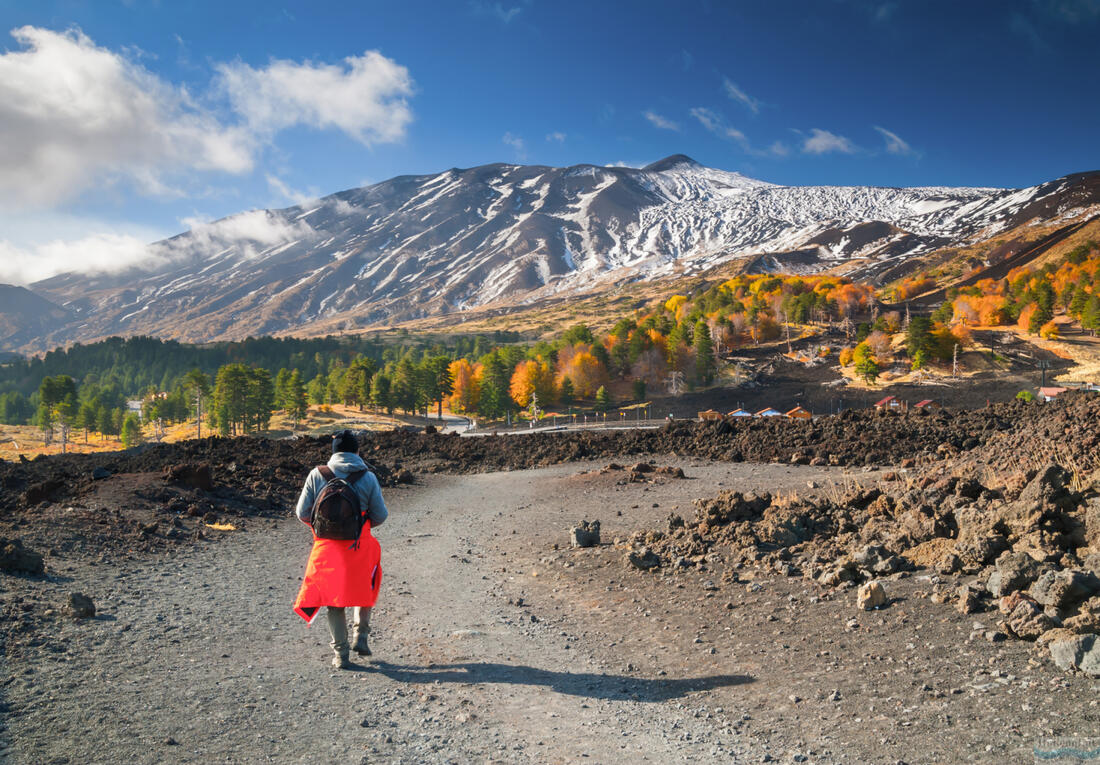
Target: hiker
344	571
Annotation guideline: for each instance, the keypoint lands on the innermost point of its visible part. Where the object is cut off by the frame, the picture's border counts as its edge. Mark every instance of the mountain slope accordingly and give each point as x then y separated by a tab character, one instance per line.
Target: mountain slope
25	317
416	246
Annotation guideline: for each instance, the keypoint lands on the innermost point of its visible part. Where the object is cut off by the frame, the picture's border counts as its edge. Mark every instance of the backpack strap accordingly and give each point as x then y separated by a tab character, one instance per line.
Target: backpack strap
353	477
326	472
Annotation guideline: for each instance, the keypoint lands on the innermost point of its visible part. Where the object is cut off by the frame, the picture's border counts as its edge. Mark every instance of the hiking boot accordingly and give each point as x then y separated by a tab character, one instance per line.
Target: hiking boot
360	645
340	661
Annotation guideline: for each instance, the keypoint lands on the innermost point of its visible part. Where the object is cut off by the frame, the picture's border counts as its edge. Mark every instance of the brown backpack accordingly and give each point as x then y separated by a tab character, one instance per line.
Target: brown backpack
336	510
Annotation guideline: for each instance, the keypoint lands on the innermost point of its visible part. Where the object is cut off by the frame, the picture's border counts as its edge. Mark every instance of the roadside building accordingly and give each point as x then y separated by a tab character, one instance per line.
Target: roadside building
1050	393
740	413
928	404
799	413
769	412
709	414
889	403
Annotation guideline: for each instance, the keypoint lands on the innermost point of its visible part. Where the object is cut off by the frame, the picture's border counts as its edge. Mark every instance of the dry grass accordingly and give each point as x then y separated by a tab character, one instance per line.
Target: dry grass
28	440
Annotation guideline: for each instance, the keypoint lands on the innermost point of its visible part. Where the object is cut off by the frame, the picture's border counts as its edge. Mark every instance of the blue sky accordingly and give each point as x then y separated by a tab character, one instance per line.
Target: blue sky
127	120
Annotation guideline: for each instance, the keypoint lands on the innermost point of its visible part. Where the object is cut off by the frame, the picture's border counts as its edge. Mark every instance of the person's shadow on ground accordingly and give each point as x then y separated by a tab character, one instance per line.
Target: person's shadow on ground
585	684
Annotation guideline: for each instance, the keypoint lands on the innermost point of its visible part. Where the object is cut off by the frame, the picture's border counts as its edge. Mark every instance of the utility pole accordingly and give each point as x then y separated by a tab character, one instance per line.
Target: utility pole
1044	365
787	324
955	362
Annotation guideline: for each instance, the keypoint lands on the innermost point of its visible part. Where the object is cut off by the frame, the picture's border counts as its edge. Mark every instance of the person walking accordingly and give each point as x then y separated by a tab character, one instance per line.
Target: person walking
346	571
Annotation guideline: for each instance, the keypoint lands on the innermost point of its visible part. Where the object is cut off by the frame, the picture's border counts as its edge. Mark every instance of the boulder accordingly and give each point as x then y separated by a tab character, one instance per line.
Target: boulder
1027	620
195	476
81	606
1063	589
14	557
585	534
969	599
1080	652
871	595
643	559
1015	571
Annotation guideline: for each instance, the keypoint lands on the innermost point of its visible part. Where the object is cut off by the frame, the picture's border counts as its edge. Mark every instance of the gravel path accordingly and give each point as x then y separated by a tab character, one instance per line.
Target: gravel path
197	657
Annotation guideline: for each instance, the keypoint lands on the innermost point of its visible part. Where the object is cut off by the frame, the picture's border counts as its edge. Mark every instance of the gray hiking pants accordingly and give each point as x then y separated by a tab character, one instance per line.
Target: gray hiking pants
338	626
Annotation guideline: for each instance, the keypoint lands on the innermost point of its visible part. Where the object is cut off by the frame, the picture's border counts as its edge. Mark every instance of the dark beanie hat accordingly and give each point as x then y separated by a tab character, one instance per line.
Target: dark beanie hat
345	441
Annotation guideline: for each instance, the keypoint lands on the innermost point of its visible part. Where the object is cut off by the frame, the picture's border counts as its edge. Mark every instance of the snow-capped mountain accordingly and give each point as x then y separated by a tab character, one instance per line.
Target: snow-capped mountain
420	245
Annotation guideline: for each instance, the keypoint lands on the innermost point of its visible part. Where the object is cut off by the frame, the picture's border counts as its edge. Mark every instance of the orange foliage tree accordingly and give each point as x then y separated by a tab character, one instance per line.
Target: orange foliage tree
467	386
533	377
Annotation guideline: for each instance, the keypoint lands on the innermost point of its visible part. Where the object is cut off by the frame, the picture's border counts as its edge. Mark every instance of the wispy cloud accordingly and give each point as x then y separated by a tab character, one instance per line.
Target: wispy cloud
716	124
734	92
556	137
280	187
1070	11
517	144
502	12
824	142
894	143
1023	27
660	122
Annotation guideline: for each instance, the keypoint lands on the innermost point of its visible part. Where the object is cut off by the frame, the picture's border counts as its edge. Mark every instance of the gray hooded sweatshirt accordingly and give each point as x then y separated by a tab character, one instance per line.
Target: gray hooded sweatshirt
370	493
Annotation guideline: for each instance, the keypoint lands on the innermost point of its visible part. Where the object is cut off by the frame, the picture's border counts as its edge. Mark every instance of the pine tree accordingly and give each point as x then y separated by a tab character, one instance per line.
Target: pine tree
295	398
565	394
603	400
131	431
705	364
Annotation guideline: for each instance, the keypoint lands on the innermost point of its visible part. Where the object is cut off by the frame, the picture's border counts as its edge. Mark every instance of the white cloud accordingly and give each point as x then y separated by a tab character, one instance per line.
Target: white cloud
823	142
364	97
660	122
95	253
516	143
556	136
77	116
253	227
631	165
894	143
740	96
717	125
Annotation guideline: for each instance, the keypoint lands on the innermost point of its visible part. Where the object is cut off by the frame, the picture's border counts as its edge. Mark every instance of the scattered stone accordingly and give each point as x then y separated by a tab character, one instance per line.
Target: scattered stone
14	557
969	599
81	606
871	595
644	559
100	472
585	534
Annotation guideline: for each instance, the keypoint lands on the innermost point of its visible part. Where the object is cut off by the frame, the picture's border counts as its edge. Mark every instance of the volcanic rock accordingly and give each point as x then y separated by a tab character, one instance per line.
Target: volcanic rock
1080	652
81	606
14	557
871	595
585	534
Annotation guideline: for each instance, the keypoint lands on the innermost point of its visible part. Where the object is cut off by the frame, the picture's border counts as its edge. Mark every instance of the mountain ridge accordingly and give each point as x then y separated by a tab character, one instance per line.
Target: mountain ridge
444	243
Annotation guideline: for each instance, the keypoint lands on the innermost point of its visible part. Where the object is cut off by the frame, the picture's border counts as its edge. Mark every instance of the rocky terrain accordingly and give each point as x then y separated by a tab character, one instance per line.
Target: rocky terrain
748	578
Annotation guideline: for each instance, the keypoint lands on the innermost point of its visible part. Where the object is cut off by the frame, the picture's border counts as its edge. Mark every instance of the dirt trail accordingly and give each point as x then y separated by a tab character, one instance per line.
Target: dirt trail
493	646
197	657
